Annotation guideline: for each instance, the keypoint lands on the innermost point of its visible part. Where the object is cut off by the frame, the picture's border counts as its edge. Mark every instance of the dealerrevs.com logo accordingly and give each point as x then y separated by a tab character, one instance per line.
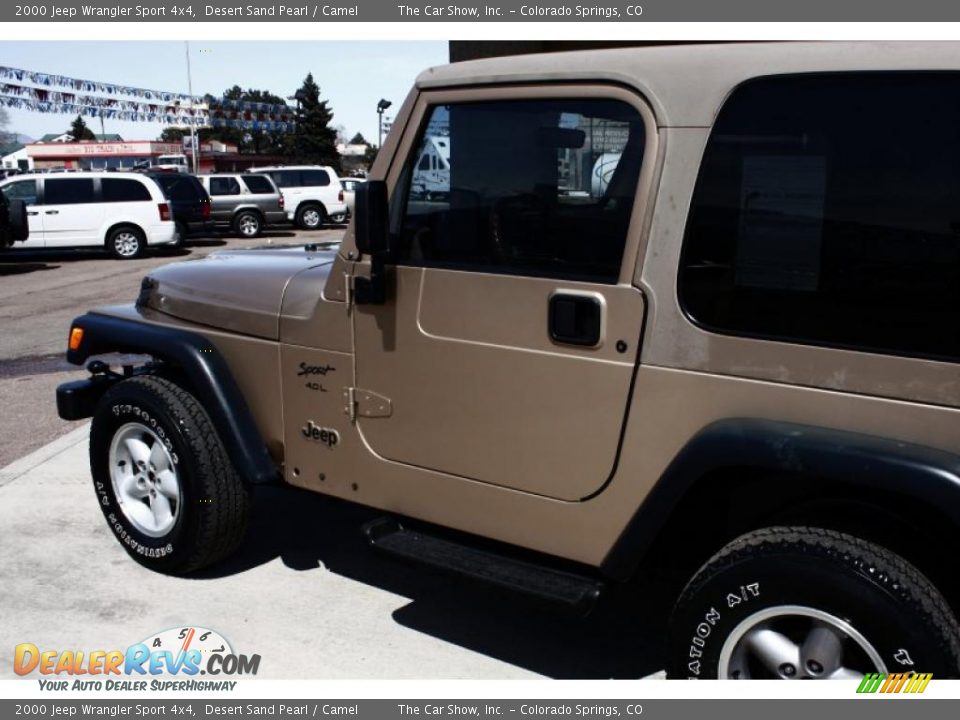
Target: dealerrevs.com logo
170	660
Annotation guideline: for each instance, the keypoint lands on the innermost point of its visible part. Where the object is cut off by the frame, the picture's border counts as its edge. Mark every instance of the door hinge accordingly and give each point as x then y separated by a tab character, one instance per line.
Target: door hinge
350	290
358	402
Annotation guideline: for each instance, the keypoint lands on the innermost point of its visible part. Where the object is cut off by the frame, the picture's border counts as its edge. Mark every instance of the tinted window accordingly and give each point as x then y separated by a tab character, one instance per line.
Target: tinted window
286	178
259	185
179	187
224	186
25	190
524	187
118	190
827	211
68	191
315	178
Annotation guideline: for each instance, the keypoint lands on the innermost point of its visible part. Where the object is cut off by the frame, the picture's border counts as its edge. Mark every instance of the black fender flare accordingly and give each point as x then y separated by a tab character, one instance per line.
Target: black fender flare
873	463
209	375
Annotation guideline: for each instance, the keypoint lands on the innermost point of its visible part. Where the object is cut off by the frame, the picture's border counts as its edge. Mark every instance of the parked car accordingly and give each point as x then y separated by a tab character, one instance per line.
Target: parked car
121	212
246	202
171	163
189	203
312	194
725	380
350	186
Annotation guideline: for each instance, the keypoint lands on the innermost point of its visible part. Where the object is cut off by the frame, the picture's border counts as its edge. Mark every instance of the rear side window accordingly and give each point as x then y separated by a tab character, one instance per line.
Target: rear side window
315	178
68	191
286	178
179	187
258	185
827	212
118	190
224	186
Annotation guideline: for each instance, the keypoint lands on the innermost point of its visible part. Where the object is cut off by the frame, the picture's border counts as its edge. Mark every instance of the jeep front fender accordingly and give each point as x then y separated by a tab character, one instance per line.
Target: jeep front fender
209	376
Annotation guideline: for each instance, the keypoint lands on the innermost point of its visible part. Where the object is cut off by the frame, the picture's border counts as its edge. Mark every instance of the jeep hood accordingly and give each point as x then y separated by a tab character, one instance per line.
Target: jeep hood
237	290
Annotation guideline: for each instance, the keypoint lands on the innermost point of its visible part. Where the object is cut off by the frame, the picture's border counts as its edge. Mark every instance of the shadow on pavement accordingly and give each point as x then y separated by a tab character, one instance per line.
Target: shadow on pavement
21	268
621	639
42	257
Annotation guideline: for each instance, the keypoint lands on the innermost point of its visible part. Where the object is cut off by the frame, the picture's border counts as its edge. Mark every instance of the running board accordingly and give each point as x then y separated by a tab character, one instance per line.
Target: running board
575	592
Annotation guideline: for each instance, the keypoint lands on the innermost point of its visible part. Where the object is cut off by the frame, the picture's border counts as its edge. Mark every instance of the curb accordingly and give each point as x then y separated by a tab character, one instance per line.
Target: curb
41	455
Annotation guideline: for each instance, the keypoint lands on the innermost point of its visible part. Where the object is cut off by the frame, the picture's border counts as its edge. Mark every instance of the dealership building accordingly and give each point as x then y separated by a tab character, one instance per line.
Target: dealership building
91	155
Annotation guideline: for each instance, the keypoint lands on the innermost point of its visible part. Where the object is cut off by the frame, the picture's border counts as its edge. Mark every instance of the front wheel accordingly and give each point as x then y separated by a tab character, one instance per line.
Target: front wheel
310	217
163	480
795	603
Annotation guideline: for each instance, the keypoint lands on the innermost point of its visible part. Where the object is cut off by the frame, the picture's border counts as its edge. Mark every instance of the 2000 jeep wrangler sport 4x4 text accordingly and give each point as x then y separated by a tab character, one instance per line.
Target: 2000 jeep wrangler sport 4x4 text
696	304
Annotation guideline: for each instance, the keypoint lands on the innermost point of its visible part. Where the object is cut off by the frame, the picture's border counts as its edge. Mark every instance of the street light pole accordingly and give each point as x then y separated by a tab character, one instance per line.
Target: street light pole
381	106
194	147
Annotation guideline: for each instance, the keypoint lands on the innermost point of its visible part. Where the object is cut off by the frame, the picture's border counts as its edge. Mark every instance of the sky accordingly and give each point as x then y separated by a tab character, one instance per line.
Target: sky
352	76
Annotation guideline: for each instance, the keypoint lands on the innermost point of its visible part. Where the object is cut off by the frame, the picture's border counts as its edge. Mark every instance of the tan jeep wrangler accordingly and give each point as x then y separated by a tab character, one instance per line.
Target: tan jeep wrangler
697	304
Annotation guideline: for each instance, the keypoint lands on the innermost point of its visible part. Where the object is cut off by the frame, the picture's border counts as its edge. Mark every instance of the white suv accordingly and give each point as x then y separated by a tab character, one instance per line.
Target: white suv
312	194
123	212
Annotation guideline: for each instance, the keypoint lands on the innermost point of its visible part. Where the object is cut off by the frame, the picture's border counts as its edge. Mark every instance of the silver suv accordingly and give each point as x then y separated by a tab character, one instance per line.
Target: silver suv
313	193
246	202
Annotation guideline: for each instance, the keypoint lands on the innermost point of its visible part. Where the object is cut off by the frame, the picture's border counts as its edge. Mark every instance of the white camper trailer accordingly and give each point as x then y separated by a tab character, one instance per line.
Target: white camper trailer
431	176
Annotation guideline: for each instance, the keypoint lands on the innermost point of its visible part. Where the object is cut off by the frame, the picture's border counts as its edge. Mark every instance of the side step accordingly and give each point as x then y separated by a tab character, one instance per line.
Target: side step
578	593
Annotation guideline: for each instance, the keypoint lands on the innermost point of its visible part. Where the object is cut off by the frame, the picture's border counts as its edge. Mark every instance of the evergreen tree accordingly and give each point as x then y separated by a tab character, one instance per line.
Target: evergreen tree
258	142
315	141
79	130
359	139
174	134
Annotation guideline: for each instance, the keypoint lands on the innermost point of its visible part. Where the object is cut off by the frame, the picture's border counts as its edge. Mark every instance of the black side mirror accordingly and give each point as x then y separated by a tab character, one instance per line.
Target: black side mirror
371	231
372	218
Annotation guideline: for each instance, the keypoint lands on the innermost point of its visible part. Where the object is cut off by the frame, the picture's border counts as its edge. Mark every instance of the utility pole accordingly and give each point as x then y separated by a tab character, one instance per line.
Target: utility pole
381	106
194	147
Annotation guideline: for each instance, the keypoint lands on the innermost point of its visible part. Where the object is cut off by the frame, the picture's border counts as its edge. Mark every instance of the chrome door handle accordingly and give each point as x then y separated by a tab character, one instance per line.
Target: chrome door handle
53	212
32	212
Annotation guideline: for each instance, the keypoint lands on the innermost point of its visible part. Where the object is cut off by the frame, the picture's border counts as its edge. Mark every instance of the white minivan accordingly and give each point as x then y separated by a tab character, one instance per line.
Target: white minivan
122	212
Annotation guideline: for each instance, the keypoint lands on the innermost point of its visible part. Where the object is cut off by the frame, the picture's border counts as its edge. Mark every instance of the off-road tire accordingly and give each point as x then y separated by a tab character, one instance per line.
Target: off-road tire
126	242
890	603
215	505
311	216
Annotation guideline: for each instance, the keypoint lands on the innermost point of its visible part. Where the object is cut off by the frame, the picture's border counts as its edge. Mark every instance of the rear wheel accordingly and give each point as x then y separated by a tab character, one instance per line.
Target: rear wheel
807	603
163	479
310	217
338	218
126	243
247	224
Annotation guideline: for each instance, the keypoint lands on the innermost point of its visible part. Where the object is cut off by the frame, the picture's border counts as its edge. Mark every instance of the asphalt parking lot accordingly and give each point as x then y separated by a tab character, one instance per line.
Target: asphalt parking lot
304	591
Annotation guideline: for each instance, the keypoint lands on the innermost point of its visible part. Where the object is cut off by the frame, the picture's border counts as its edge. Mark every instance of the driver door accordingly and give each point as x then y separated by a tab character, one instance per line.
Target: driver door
507	346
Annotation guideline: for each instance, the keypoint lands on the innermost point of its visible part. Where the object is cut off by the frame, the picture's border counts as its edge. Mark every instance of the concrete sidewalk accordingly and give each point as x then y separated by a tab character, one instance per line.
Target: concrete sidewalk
304	592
